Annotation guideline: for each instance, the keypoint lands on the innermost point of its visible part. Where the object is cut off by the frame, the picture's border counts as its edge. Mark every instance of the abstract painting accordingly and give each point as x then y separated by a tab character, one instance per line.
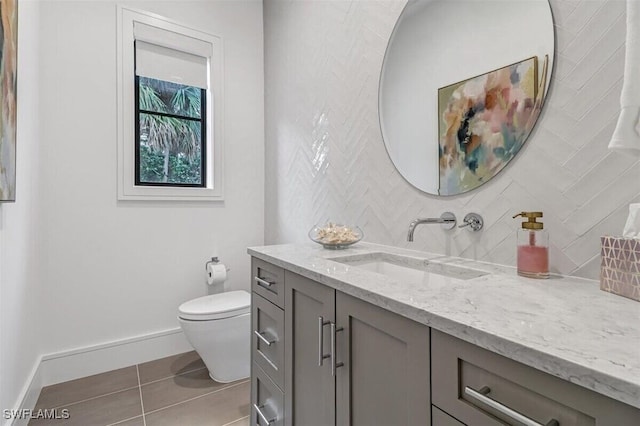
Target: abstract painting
8	71
483	122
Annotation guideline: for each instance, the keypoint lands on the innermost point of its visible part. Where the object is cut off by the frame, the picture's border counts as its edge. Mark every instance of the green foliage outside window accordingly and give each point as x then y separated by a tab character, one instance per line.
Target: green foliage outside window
170	147
180	169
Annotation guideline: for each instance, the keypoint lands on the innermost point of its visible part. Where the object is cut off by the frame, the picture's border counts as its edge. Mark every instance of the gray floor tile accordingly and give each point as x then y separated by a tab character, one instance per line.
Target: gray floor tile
177	389
169	366
215	409
88	387
137	421
241	422
100	411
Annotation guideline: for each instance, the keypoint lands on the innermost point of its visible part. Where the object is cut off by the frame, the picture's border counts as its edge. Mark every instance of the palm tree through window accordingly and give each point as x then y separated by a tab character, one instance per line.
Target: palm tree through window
170	134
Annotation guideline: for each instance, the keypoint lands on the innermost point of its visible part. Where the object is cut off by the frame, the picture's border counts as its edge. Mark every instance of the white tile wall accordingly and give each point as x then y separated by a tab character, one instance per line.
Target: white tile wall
594	29
326	159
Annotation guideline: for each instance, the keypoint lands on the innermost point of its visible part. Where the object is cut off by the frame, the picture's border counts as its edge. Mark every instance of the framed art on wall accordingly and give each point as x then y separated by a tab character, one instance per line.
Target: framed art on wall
8	75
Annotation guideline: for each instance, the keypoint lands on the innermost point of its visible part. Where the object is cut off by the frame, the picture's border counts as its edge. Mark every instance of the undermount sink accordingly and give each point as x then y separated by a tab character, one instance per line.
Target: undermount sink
408	269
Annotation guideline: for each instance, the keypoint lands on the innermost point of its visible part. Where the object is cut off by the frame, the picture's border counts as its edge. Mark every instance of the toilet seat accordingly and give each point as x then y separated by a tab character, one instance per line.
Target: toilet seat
216	306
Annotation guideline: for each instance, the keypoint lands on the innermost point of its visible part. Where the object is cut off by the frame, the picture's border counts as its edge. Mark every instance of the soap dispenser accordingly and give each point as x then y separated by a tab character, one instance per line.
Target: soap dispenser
533	247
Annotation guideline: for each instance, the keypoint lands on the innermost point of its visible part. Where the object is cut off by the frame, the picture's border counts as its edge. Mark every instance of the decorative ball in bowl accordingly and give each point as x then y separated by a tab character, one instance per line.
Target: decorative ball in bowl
335	236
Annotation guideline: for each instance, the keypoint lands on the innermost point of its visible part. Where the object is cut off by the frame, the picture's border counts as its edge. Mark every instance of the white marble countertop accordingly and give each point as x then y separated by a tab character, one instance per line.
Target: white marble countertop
564	326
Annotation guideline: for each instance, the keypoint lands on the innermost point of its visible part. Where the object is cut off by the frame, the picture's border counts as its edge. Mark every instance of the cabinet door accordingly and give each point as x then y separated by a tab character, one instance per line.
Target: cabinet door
309	388
385	377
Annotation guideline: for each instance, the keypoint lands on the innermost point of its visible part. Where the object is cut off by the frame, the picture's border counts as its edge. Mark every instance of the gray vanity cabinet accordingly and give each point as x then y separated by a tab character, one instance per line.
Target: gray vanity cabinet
479	387
321	357
267	344
440	418
384	379
375	364
266	398
268	281
309	387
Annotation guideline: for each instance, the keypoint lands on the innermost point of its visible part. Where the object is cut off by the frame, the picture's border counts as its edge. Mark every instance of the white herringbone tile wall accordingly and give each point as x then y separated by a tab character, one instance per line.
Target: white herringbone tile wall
325	157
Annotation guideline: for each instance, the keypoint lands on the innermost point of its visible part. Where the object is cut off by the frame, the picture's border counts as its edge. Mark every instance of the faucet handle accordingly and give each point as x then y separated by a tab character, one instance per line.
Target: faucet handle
473	221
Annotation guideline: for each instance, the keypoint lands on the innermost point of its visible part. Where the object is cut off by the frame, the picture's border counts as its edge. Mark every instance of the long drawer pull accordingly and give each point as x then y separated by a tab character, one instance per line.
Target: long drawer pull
321	354
264	339
334	365
481	395
263	282
261	414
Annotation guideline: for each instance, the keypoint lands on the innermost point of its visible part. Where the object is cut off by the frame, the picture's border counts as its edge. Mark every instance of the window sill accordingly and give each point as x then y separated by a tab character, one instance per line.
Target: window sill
137	193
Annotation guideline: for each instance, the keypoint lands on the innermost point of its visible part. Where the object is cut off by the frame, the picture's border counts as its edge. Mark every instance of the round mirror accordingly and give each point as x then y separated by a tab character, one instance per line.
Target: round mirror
462	85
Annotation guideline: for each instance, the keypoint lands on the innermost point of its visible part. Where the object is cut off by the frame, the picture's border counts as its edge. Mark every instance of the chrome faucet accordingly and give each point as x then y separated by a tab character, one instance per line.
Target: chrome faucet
447	220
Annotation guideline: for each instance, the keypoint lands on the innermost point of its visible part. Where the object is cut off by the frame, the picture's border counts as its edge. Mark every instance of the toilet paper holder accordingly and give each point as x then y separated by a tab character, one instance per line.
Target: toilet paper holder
214	260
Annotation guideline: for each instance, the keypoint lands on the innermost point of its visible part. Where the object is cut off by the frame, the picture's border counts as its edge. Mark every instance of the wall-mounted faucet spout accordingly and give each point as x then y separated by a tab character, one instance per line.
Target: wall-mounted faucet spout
447	220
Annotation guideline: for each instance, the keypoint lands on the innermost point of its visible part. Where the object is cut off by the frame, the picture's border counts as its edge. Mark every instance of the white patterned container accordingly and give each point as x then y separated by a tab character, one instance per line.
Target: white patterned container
620	268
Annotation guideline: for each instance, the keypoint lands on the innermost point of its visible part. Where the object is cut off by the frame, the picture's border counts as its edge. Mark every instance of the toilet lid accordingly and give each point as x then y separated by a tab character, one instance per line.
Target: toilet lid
216	306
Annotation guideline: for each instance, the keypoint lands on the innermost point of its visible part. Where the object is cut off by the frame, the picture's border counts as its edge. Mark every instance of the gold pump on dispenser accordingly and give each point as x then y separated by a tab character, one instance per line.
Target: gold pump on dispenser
533	247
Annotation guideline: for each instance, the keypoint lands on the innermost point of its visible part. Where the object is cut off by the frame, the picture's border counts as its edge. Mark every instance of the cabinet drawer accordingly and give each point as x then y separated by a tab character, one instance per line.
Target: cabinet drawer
267	400
440	418
267	344
477	386
268	281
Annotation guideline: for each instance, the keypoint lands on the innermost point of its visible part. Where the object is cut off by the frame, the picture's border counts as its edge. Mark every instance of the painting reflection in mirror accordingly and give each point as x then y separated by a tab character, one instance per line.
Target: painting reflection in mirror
483	123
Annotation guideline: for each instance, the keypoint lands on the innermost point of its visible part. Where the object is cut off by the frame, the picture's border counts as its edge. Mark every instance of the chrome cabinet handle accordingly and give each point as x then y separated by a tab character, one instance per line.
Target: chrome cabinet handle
264	339
321	354
263	281
481	395
261	414
267	360
334	366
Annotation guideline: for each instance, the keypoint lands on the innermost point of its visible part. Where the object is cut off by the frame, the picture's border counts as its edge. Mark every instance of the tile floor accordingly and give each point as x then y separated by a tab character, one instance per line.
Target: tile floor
167	392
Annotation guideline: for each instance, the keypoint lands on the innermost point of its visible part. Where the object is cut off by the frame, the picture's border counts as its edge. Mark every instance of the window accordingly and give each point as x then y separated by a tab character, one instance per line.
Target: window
170	134
170	143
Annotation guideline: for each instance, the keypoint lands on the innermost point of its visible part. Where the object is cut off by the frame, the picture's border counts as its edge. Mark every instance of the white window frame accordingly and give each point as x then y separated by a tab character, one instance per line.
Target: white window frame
127	189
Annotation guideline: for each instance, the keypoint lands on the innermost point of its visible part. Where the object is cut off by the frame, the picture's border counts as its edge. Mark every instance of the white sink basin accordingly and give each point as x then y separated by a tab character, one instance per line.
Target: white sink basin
409	269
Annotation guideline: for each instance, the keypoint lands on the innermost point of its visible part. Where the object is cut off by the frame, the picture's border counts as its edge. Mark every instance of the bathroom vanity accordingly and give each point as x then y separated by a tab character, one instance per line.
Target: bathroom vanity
377	335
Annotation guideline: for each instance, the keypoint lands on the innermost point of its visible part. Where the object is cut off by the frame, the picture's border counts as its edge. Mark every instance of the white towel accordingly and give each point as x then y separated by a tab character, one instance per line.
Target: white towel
632	227
626	136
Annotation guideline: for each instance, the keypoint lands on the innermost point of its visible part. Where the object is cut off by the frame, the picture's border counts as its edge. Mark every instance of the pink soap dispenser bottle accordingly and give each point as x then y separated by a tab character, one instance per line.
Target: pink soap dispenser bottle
533	247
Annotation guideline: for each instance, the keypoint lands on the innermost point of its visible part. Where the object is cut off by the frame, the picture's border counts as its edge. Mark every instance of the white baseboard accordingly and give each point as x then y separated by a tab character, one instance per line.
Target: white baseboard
87	361
29	395
82	362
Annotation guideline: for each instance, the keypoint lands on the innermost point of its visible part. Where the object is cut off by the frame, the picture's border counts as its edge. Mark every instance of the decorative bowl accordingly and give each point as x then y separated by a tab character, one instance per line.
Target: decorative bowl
335	236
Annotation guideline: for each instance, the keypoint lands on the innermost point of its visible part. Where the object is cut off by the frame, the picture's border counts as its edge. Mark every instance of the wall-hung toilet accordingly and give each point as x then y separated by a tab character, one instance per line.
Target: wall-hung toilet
218	327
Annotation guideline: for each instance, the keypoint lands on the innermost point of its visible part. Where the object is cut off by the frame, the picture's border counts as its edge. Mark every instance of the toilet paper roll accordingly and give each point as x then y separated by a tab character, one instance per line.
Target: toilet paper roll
632	227
216	273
